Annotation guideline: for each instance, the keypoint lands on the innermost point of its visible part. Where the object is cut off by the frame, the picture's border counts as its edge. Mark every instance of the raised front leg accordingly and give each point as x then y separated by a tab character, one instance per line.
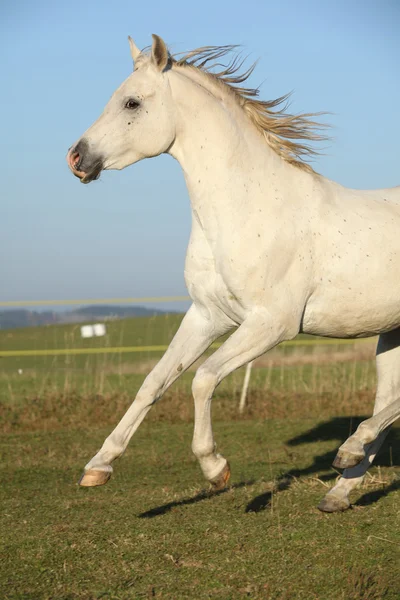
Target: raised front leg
388	391
194	336
259	333
352	452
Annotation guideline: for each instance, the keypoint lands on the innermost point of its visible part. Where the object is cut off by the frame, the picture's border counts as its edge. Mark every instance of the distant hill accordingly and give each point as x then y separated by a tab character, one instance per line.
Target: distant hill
10	319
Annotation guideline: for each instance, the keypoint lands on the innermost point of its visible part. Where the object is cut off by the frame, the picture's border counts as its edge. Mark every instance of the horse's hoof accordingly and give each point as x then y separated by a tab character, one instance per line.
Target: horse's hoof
346	460
331	503
93	477
220	482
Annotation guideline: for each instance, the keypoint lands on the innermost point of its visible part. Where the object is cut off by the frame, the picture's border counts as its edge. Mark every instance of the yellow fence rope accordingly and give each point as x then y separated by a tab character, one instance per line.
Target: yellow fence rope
161	348
94	301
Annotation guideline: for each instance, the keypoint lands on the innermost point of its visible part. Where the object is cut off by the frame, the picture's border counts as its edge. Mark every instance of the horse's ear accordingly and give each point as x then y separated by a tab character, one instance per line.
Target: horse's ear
159	53
134	49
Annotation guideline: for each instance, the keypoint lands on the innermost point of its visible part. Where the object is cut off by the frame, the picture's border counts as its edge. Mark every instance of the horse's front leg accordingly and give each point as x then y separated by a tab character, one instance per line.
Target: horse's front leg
388	390
193	337
257	334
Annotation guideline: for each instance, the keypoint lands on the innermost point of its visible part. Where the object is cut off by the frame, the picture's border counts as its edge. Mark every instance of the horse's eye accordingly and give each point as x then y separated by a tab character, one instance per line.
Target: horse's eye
131	104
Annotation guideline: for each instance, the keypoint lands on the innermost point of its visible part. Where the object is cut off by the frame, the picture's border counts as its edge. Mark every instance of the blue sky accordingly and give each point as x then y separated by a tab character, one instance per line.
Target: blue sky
126	234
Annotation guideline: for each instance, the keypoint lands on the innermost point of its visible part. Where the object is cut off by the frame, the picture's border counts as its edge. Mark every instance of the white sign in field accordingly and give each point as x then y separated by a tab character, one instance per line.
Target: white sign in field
88	331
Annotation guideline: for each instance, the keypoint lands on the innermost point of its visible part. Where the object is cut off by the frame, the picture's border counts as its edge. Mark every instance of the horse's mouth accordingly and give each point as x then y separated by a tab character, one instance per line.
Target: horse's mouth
84	166
93	174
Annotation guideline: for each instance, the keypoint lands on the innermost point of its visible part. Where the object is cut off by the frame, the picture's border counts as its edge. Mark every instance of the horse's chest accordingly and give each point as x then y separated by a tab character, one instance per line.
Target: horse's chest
212	289
237	272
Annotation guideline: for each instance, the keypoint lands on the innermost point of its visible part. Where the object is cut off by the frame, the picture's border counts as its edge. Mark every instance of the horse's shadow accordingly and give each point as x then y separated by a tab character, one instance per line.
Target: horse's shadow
203	495
334	429
337	428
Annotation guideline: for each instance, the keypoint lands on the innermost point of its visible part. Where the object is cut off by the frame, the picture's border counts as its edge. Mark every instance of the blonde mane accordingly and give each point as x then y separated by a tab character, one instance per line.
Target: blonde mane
270	117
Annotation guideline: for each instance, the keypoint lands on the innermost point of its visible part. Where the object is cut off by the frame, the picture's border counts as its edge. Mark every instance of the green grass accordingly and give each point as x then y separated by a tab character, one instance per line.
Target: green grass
153	531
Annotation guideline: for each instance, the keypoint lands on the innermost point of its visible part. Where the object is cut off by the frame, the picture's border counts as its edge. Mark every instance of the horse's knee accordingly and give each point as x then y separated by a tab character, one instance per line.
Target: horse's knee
204	383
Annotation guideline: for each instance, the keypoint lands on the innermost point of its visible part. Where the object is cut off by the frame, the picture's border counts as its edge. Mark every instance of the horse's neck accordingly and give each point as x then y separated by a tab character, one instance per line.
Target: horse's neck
226	162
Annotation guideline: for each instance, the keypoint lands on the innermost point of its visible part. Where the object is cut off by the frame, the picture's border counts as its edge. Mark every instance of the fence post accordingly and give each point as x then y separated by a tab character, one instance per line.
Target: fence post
246	382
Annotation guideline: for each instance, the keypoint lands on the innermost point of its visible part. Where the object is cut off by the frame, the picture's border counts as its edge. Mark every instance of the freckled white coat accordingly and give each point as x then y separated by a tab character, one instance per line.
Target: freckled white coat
274	249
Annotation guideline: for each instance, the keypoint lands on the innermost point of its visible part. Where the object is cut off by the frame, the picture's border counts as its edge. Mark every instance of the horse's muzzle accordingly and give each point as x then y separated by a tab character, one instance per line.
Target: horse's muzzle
84	165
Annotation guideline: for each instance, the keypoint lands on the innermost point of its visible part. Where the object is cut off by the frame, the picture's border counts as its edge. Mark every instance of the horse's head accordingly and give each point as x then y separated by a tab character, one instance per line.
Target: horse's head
138	121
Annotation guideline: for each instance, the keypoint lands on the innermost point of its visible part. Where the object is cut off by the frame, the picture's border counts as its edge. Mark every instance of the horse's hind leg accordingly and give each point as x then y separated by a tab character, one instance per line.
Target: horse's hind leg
388	370
352	452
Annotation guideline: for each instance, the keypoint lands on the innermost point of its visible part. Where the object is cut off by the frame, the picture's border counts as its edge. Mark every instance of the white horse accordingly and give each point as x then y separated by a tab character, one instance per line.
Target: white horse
275	248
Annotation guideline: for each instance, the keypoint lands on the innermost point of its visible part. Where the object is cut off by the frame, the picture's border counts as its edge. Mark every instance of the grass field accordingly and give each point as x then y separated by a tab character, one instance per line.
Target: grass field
154	531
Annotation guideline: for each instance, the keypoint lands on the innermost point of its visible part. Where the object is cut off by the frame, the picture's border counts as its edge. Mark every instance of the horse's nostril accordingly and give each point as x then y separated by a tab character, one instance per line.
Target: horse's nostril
74	160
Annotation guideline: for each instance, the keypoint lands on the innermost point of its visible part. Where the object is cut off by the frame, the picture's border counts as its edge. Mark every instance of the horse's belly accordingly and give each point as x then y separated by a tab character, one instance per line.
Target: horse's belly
346	313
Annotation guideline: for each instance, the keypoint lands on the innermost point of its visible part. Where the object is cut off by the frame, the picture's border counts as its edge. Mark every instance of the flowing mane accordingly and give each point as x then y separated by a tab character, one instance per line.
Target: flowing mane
270	117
